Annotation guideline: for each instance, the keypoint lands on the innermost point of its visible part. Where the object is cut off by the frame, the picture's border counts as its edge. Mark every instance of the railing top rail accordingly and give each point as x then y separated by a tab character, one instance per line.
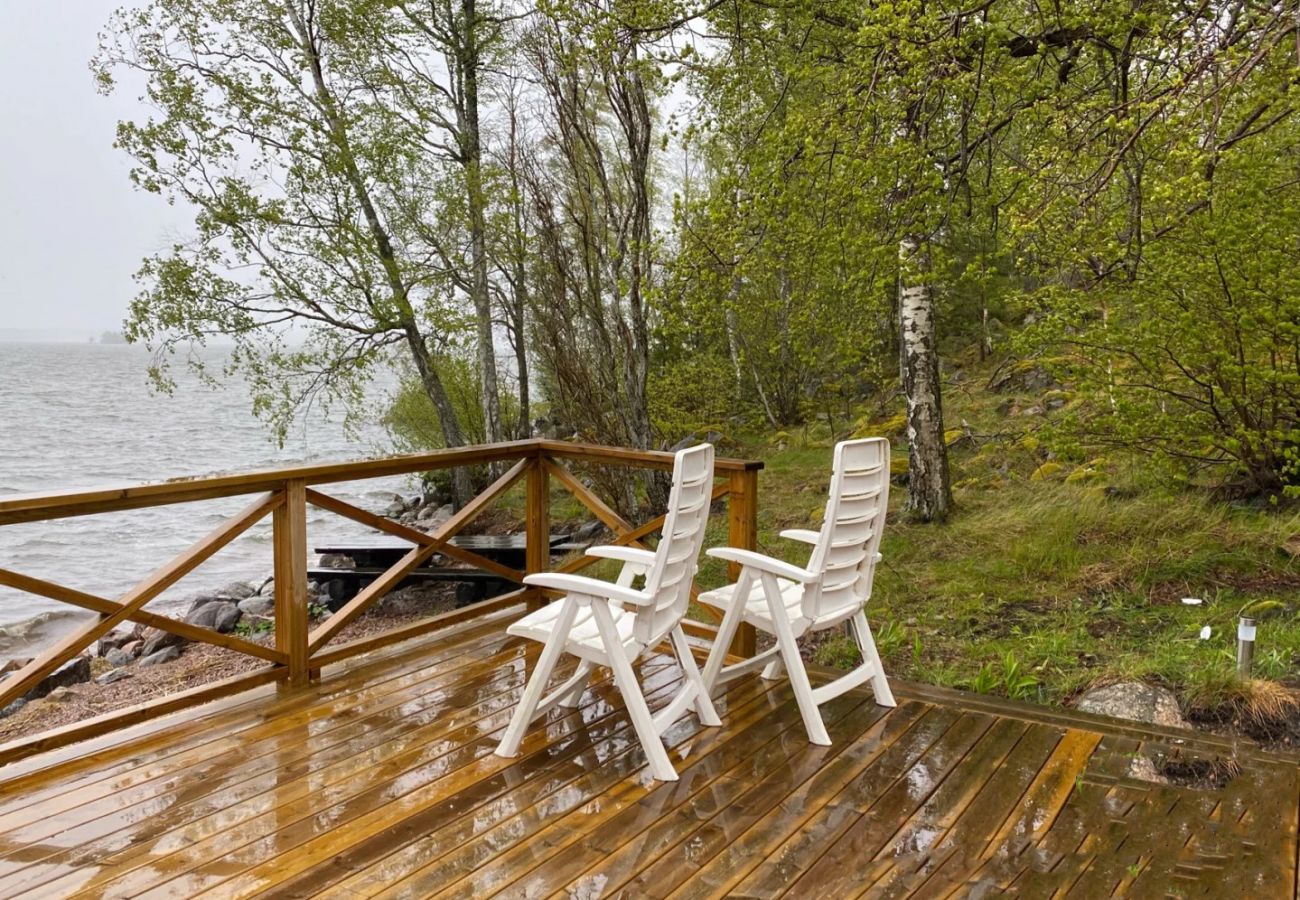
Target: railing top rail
35	507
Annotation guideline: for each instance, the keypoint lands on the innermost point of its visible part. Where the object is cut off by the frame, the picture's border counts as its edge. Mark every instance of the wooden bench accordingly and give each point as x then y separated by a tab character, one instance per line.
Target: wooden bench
371	558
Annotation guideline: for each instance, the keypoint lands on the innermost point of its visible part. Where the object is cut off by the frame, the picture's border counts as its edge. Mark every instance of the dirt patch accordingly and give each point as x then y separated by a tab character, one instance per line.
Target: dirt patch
1196	772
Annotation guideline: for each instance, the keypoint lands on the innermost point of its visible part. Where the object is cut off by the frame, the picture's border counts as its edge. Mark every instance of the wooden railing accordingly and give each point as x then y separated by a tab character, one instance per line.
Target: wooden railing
300	651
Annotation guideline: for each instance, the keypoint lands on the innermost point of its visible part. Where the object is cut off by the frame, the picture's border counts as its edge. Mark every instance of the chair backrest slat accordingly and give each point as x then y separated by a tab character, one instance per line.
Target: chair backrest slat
846	550
678	556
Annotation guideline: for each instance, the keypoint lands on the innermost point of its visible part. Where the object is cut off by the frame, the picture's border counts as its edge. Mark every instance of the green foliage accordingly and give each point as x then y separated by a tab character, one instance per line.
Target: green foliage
413	422
249	629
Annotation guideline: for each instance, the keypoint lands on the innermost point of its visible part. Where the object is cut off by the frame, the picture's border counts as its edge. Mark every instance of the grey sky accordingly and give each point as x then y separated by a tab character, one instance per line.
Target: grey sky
72	228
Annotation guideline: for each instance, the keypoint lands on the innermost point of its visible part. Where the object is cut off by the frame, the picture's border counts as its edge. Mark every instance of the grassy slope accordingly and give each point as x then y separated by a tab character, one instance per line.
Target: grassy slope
1037	587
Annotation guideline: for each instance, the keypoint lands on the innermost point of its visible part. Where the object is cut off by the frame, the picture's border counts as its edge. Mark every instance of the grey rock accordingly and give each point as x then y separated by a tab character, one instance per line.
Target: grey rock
1021	379
204	600
155	639
396	508
74	671
13	707
689	441
14	665
112	676
258	606
165	655
337	561
237	590
1135	701
588	530
118	657
220	617
111	641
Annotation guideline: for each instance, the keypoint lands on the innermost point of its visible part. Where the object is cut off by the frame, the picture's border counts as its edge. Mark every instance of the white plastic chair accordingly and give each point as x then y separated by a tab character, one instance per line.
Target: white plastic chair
789	602
611	624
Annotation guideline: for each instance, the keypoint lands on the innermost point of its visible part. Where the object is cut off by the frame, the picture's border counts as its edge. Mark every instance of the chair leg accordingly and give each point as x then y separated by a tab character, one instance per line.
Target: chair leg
772	671
727	631
524	712
703	703
867	644
571	699
661	766
789	644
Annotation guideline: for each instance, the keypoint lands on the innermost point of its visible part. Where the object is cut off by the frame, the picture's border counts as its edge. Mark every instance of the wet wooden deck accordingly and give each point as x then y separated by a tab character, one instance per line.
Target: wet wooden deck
380	781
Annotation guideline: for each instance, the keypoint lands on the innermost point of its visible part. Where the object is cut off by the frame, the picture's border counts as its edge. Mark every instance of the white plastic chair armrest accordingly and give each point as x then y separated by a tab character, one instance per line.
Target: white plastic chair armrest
762	563
804	535
637	556
588	587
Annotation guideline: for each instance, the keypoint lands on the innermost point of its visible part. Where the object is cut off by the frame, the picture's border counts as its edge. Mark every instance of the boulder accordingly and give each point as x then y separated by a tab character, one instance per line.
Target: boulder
1024	377
155	639
12	708
111	641
395	508
165	655
258	606
221	617
112	676
60	694
118	657
236	591
74	671
1133	700
337	561
133	647
588	530
204	600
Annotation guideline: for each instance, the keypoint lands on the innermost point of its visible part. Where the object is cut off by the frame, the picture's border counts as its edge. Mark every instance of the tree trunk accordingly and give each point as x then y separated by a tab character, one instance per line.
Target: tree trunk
929	495
472	160
462	487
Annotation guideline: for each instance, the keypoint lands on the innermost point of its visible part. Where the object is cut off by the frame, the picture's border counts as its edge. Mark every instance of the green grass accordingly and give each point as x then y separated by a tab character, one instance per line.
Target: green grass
1037	588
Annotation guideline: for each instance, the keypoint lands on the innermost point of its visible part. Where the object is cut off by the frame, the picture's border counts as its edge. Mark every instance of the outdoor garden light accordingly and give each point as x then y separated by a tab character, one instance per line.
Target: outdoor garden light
1245	644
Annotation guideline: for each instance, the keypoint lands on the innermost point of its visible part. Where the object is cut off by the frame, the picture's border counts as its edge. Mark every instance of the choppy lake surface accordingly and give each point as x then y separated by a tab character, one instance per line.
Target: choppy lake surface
83	415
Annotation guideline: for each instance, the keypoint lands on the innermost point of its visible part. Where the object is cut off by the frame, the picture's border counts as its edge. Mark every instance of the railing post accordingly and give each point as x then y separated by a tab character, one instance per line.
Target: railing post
290	543
537	521
742	509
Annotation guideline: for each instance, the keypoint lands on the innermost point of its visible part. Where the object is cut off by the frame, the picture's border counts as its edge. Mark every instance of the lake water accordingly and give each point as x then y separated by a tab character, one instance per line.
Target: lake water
83	415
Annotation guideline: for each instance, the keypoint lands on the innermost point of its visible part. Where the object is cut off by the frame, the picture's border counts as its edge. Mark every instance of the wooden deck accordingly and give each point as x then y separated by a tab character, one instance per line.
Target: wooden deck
380	780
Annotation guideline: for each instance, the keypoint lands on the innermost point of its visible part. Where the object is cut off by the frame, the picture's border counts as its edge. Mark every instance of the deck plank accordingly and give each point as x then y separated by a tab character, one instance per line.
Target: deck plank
379	781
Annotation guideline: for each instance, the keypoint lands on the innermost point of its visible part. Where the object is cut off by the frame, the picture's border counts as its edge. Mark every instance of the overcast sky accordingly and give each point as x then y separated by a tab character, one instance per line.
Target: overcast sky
72	228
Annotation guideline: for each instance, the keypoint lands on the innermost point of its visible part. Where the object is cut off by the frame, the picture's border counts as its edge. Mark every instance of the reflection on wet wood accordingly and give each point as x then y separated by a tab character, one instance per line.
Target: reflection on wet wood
380	781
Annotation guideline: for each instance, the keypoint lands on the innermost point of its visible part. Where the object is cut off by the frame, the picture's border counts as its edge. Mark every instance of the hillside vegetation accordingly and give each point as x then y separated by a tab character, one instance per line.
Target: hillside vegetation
1053	573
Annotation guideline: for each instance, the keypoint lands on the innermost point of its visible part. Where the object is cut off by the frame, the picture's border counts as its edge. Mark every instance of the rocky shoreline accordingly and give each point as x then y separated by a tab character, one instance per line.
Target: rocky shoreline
135	665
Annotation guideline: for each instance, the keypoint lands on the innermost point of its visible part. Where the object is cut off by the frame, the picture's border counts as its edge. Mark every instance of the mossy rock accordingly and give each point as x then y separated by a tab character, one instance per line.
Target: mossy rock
891	427
1045	471
899	464
1082	474
1059	394
1028	443
955	436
